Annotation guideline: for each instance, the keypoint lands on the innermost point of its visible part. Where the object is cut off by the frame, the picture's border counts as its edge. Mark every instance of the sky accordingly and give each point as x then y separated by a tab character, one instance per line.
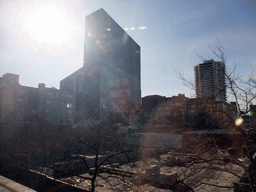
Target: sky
43	41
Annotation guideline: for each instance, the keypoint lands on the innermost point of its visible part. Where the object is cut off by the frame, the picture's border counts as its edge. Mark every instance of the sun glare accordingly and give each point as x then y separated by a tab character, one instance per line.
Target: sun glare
49	25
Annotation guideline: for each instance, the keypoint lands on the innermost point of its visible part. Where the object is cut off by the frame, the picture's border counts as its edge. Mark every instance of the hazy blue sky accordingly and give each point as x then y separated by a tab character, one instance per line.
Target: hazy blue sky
43	41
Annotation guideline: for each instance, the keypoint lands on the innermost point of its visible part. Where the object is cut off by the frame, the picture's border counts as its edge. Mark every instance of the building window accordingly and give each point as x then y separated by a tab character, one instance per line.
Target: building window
104	104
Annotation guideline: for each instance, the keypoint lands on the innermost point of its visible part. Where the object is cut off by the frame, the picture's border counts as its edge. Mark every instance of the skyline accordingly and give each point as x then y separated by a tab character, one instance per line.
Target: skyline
170	36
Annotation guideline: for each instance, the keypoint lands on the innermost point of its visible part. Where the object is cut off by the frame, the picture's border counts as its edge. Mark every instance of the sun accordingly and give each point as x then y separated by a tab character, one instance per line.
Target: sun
48	24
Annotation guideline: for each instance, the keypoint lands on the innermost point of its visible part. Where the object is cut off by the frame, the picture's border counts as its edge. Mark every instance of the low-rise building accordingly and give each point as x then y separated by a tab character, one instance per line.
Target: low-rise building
182	113
29	104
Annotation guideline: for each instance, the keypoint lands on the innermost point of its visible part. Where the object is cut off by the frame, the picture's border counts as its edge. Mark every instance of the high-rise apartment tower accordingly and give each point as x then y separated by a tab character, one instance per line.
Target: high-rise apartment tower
210	80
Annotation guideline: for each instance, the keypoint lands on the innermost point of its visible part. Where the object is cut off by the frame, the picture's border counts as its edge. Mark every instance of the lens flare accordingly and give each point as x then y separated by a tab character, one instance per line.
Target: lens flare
239	121
142	27
134	28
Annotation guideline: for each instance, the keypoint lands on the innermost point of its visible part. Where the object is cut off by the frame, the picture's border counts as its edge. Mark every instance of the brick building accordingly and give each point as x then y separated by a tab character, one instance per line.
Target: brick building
182	113
21	103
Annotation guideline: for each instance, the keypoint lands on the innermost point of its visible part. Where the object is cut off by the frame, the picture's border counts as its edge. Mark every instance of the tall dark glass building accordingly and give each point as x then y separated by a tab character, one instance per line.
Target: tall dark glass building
109	81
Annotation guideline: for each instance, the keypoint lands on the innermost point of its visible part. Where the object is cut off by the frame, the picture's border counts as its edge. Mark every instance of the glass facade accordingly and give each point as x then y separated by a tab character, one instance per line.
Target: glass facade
110	77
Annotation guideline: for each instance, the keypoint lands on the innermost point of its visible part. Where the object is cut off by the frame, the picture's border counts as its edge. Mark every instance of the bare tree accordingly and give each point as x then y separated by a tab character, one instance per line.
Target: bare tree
93	156
235	159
